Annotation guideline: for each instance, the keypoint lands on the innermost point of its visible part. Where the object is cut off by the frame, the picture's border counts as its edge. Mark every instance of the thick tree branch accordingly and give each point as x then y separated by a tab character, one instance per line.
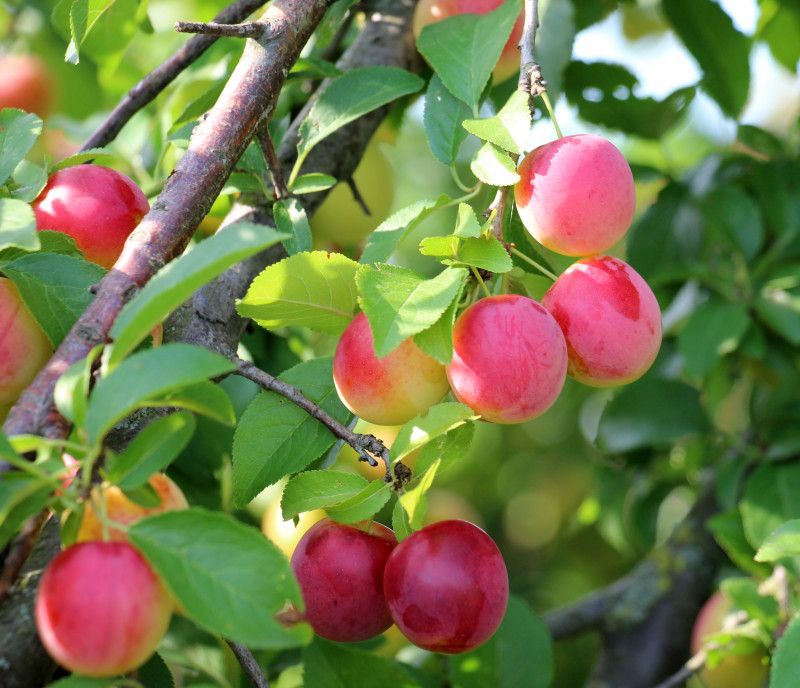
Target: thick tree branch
148	88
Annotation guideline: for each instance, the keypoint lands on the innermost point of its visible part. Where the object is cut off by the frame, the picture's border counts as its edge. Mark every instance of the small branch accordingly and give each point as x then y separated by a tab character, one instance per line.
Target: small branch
361	443
530	73
23	544
688	670
251	667
357	197
273	163
254	30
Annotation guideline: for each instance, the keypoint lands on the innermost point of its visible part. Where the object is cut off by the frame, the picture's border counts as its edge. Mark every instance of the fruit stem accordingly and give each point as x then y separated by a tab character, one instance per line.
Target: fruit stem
480	279
550	110
538	266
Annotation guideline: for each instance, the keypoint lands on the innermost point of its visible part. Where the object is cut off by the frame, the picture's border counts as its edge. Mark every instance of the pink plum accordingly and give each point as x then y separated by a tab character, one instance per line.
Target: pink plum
97	206
509	359
100	609
340	572
390	390
610	318
447	587
576	195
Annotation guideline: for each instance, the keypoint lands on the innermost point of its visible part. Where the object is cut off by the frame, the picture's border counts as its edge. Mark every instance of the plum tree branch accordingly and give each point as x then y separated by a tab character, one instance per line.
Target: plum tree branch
255	29
249	664
156	81
530	73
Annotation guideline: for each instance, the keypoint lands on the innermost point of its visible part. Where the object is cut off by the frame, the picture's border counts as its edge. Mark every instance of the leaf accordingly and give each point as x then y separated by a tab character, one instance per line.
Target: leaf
780	311
178	280
714	329
467	224
400	524
786	657
363	505
728	531
315	290
351	95
414	501
439	420
232	580
55	288
83	15
155	673
29	181
83	682
437	340
485	253
144	377
494	166
18	225
722	52
18	132
780	28
463	49
291	219
384	240
86	156
399	303
443	116
509	128
784	541
204	398
21	496
771	498
152	450
311	183
274	437
50	242
319	489
446	449
71	393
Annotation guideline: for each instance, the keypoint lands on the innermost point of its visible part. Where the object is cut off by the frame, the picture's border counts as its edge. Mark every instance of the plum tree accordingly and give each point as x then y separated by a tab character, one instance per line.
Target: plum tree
97	206
509	359
576	195
120	509
390	390
610	319
341	219
100	609
447	587
735	670
430	11
26	84
24	347
339	568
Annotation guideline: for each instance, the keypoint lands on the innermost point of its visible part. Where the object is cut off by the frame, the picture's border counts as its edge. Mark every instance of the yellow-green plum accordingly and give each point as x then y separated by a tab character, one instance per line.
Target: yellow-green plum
430	11
610	319
24	347
97	206
100	609
576	195
509	359
733	671
390	390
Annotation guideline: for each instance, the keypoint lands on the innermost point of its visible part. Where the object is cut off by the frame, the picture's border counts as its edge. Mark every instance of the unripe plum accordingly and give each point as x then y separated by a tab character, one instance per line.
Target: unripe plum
390	390
734	671
340	572
124	511
24	347
100	609
26	84
576	195
97	206
509	359
430	11
610	318
447	587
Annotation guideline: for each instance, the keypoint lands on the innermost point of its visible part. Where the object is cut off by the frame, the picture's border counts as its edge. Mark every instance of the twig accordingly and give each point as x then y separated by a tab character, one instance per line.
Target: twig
361	443
357	197
23	544
255	29
249	664
156	81
273	163
684	673
530	73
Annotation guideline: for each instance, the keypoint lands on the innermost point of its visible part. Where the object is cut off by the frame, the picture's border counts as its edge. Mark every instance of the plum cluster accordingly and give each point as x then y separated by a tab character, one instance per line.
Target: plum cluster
444	586
599	322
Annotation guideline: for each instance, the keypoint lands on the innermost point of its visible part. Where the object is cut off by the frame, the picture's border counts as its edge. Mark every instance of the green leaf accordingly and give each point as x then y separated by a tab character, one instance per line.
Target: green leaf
509	128
89	155
485	253
83	15
29	180
155	673
722	52
56	289
351	95
319	489
784	541
780	311
50	242
443	116
363	505
315	290
84	682
178	280
399	303
332	21
736	217
463	49
71	394
771	498
439	420
275	437
291	219
152	450
205	398
437	340
467	225
714	329
786	657
446	449
21	496
18	225
311	183
144	377
336	665
384	240
779	26
400	524
414	500
493	166
18	132
232	580
728	531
